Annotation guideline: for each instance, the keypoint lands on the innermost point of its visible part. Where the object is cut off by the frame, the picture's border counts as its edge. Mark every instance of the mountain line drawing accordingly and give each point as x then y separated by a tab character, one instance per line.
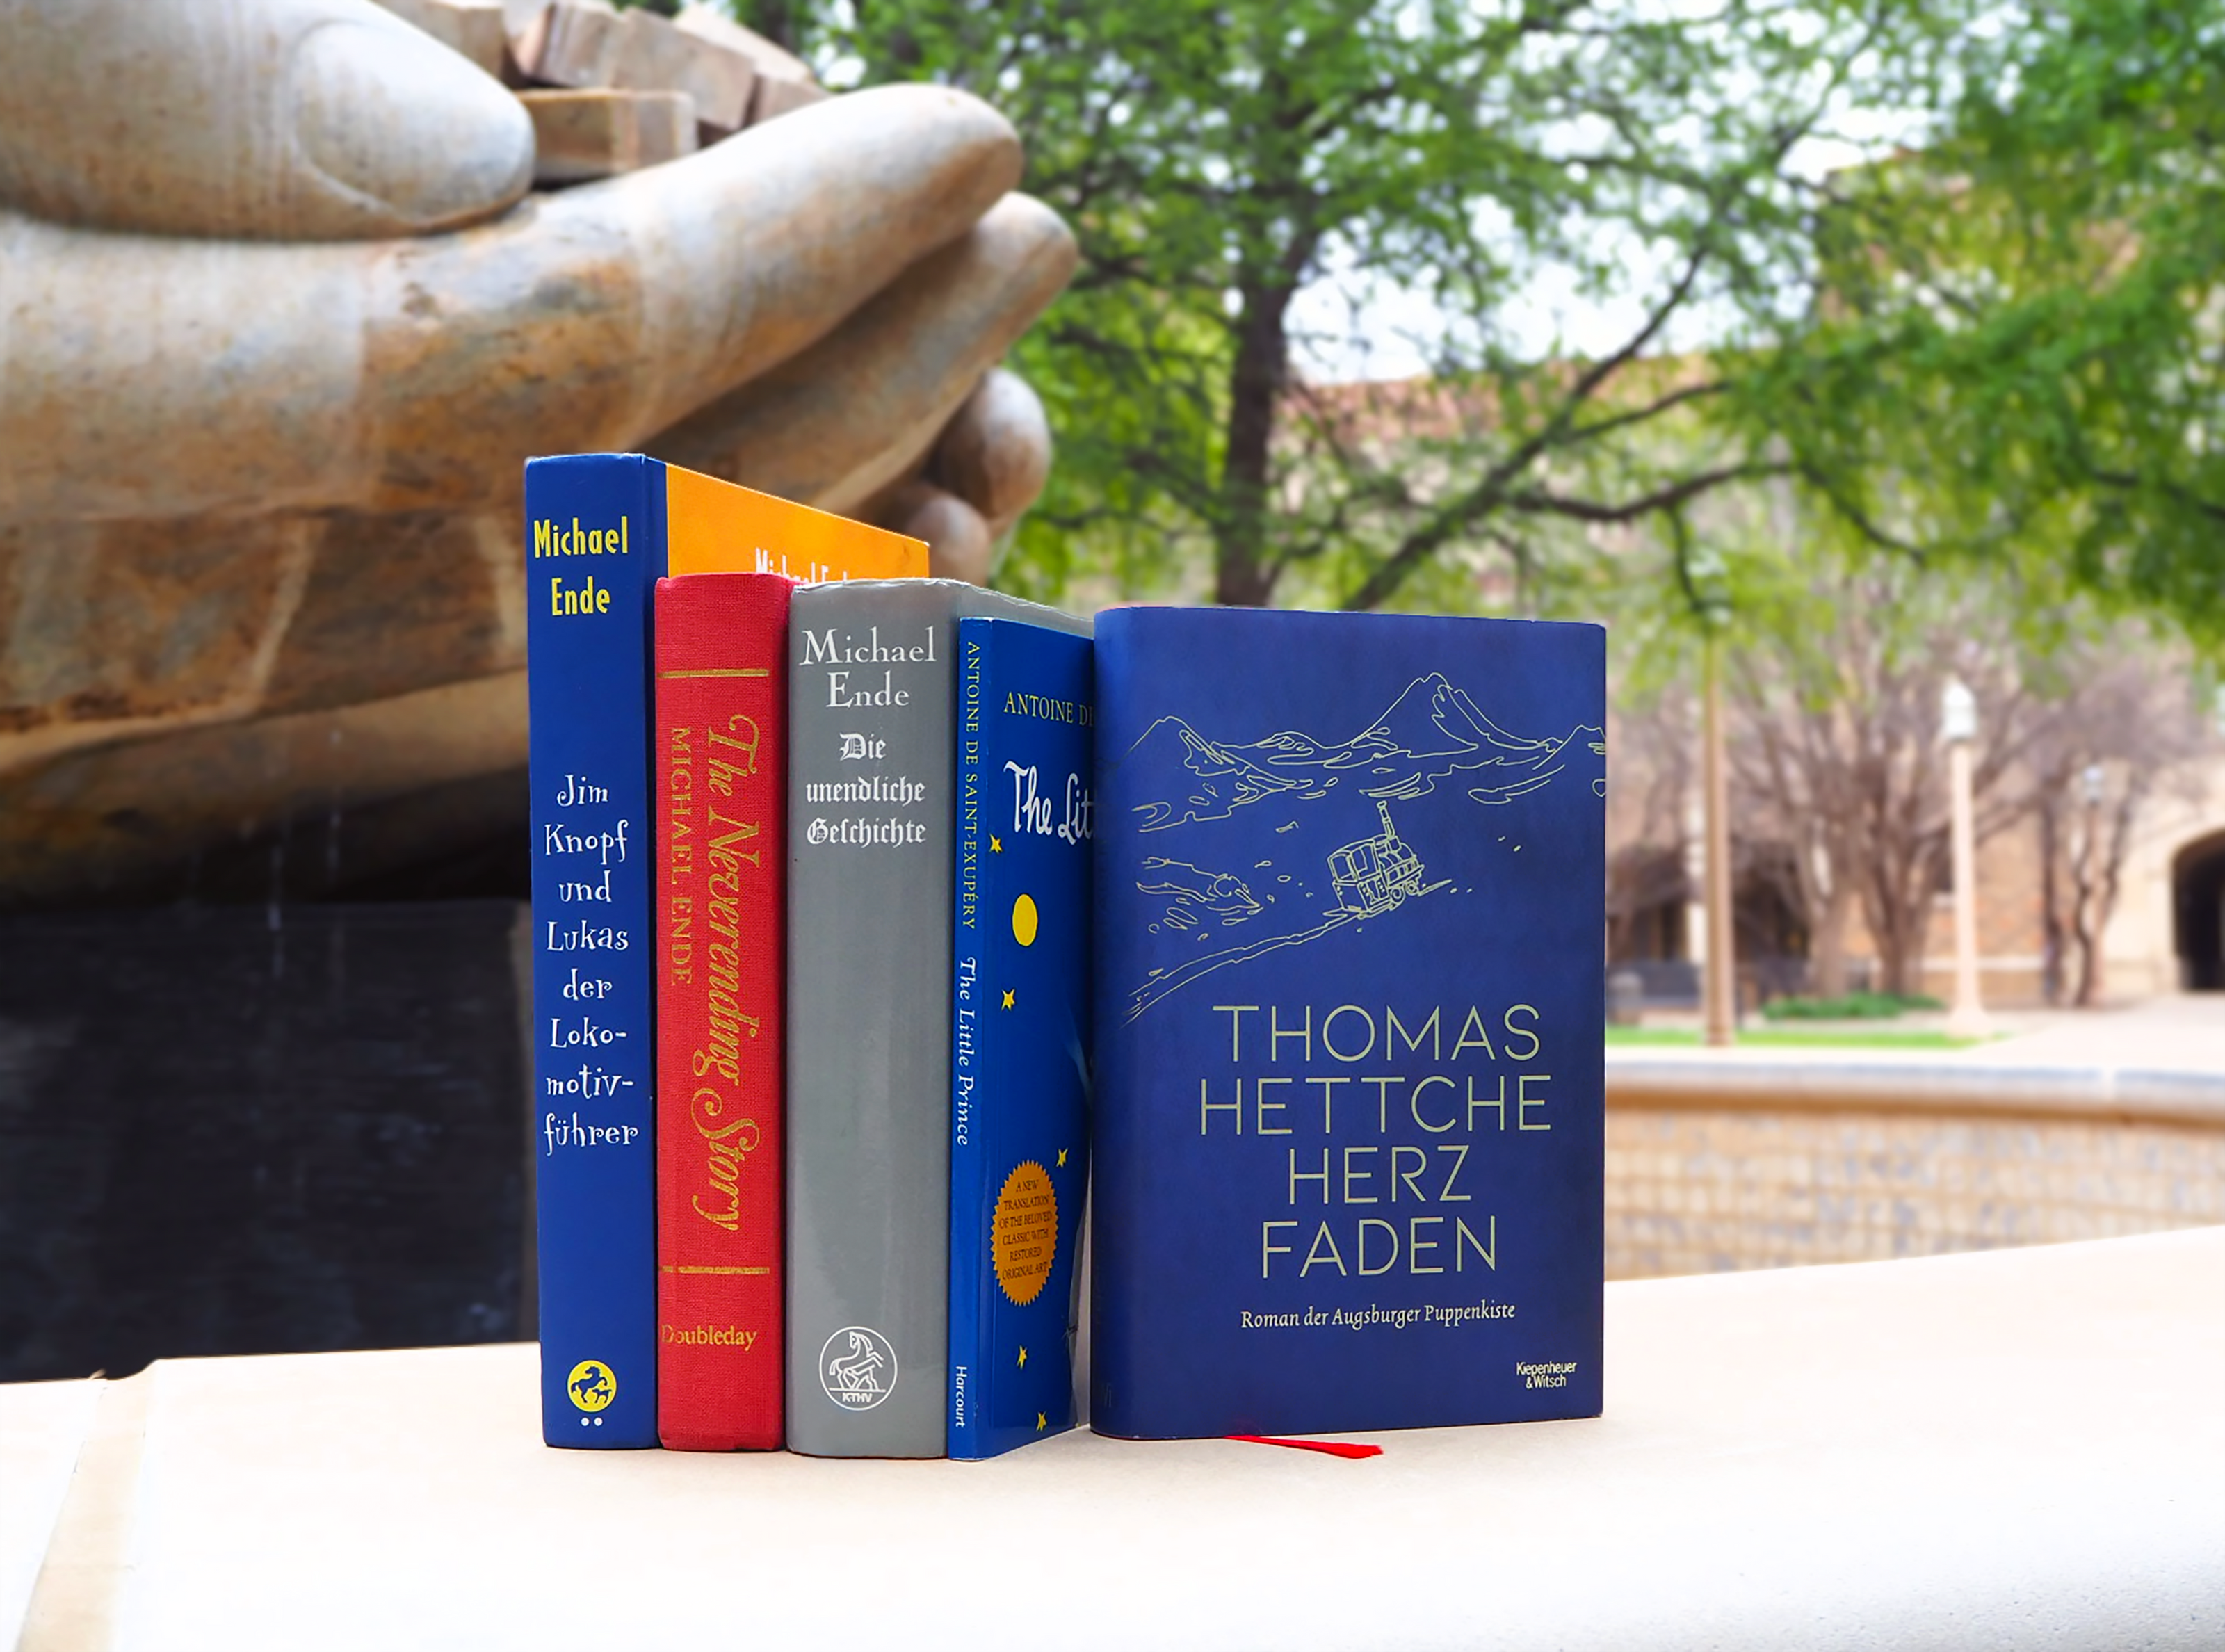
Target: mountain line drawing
1431	731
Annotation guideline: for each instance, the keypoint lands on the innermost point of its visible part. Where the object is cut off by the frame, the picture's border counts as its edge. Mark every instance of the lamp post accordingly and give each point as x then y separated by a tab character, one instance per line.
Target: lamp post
1719	982
1958	727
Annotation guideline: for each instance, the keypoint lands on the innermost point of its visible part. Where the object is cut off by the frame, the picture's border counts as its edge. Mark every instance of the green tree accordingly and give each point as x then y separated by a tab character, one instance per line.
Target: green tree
2023	349
1229	164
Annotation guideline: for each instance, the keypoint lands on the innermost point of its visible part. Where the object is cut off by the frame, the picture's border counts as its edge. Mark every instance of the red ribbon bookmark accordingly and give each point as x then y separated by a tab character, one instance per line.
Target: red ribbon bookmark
1327	1447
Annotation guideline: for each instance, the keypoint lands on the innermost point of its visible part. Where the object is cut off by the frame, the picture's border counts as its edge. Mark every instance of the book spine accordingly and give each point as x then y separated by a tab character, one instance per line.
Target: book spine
1020	935
970	1198
721	756
1120	1127
870	757
594	547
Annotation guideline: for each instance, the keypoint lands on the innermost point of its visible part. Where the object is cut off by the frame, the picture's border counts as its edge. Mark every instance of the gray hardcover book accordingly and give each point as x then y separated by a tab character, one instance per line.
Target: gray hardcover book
871	770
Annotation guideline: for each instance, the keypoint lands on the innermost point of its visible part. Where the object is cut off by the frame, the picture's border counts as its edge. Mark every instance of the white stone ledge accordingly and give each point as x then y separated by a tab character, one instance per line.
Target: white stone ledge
2012	1449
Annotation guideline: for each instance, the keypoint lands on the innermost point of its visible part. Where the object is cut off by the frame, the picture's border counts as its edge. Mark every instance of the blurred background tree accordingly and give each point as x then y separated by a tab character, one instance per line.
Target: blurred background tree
2089	722
1912	310
1256	185
2021	353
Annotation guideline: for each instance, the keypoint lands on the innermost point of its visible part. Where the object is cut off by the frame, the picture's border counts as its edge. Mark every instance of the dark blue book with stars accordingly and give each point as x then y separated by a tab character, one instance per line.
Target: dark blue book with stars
1020	923
1349	1022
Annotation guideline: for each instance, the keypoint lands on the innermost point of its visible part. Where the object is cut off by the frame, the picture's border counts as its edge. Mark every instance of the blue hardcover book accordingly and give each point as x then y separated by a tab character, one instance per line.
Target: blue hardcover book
1349	1022
601	528
595	545
1020	924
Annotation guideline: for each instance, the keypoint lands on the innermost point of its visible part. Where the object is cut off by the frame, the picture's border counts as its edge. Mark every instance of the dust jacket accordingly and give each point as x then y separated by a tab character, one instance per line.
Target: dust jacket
1019	1052
601	528
1349	1022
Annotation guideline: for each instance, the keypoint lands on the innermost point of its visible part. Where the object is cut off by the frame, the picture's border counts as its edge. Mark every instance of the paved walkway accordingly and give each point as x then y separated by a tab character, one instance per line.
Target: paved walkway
2184	1032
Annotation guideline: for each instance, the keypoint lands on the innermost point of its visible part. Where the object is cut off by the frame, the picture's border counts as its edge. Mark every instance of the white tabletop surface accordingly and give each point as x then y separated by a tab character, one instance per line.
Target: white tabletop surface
2020	1448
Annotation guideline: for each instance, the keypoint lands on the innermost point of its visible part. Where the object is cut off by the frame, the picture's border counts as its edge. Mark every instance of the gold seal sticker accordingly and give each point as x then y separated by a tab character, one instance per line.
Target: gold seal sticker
591	1385
1023	1233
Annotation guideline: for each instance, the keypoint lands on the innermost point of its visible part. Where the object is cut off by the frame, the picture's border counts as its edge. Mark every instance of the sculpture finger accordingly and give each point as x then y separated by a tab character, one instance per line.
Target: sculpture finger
959	543
276	119
857	414
150	376
995	452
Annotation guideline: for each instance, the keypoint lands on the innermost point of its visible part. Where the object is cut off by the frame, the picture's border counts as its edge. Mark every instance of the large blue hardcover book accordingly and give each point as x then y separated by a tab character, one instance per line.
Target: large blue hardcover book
1020	924
594	548
1349	1022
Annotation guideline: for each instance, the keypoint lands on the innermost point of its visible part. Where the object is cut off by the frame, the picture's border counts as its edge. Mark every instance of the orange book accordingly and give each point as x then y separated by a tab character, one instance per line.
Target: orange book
715	527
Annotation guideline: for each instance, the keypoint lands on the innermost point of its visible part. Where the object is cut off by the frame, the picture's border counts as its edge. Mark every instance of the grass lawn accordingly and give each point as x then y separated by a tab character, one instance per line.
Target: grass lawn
1877	1038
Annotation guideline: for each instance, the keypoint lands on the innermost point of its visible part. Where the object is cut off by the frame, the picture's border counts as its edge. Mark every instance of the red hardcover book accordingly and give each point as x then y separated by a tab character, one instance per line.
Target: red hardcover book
721	762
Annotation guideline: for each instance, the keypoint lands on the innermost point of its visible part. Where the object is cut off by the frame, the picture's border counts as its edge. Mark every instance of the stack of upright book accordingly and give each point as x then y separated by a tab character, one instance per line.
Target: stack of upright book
801	1180
873	910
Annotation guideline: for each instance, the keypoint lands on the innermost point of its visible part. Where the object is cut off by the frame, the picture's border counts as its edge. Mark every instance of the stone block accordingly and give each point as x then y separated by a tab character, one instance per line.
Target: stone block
570	45
599	132
784	81
473	28
518	16
772	62
657	56
773	98
583	47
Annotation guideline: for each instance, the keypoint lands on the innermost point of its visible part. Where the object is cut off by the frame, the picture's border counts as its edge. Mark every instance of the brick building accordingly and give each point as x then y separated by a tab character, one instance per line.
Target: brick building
2167	930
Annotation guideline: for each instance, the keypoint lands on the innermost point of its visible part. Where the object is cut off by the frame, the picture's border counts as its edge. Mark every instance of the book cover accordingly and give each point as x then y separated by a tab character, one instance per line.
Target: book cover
600	530
1020	1119
872	750
1349	1022
721	756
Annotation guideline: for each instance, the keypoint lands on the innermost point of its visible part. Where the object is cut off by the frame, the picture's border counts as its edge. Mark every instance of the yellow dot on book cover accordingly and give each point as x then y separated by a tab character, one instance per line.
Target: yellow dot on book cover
1023	1232
1024	921
591	1385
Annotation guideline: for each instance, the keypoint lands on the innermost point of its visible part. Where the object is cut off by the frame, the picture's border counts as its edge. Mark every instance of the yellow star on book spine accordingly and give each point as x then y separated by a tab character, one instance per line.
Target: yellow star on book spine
1042	1422
1023	1358
996	845
1061	1158
1008	997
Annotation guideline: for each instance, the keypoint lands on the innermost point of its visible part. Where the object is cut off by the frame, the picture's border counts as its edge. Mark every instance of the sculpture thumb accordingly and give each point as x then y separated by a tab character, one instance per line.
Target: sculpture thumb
278	119
152	378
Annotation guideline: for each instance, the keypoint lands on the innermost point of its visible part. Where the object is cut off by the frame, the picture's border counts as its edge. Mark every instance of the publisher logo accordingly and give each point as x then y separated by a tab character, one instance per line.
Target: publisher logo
1544	1373
591	1387
856	1367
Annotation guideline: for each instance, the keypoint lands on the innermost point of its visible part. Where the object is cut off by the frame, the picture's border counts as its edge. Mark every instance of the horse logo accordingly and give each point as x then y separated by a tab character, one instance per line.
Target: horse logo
856	1367
591	1385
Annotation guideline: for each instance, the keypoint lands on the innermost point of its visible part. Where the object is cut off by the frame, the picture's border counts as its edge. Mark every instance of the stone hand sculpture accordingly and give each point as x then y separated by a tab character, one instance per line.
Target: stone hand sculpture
279	323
